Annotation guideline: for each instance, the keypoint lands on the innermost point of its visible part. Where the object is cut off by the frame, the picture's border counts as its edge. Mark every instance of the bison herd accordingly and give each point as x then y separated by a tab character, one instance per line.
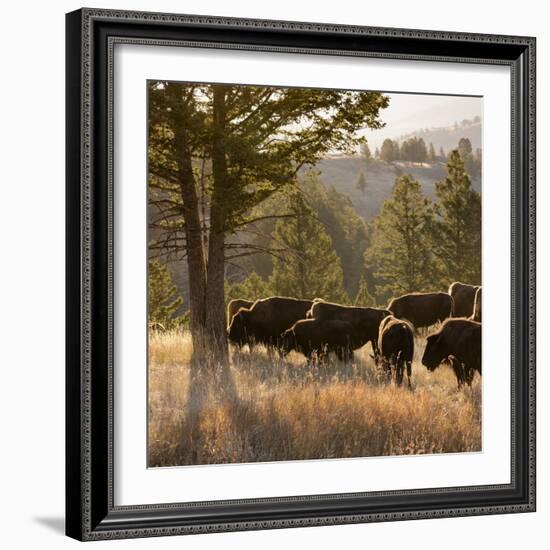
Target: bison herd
316	328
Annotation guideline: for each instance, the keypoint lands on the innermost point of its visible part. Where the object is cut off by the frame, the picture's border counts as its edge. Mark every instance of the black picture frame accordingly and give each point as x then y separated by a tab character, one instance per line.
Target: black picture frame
90	510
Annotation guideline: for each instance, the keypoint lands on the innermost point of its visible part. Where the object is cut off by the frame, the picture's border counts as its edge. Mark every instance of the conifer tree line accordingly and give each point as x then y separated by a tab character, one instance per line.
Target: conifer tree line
233	193
415	150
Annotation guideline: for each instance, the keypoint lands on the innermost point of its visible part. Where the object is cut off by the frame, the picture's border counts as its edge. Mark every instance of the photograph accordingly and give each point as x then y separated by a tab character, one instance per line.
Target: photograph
313	273
280	237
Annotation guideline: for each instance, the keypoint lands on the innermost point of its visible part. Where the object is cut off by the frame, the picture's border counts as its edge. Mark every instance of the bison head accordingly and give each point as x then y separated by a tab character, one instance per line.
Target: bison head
434	353
287	341
237	329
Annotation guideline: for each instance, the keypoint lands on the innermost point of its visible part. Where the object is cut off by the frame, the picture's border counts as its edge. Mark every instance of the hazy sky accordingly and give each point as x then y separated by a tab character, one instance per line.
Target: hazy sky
409	112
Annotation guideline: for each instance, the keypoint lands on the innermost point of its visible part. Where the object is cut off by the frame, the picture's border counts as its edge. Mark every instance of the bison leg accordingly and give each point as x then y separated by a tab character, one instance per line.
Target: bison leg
388	366
399	368
375	350
344	354
399	374
409	372
468	375
398	364
458	369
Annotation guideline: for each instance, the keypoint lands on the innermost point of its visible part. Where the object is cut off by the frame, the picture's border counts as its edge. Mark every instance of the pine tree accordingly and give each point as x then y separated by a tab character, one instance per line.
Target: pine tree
442	154
400	251
215	153
345	227
464	146
465	150
457	227
252	288
431	152
363	297
387	152
162	296
421	151
310	268
365	152
396	150
361	182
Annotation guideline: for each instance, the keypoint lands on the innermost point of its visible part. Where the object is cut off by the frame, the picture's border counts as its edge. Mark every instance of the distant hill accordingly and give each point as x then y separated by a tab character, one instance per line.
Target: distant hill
342	173
448	137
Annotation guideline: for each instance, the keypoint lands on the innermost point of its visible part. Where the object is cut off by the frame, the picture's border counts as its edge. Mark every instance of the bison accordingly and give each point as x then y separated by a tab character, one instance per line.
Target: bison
458	343
234	305
422	309
476	314
463	296
266	320
320	337
365	320
396	345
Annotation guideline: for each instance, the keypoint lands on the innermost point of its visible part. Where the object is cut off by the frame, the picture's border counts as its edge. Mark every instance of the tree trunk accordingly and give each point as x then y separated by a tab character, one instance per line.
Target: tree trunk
215	302
194	246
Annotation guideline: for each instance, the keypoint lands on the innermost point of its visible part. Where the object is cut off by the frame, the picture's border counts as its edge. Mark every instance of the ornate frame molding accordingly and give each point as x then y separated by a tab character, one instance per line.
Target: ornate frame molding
91	35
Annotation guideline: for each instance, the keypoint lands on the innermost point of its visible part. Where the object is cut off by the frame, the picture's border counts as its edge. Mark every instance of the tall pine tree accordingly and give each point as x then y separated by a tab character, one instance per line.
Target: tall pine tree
431	152
388	151
162	296
310	268
366	152
216	152
457	226
400	251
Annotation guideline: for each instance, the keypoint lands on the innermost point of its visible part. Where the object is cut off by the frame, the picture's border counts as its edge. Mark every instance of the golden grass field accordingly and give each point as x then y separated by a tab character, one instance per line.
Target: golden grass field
264	409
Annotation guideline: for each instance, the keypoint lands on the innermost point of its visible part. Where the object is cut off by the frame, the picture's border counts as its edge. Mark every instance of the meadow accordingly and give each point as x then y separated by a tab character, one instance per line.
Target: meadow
266	408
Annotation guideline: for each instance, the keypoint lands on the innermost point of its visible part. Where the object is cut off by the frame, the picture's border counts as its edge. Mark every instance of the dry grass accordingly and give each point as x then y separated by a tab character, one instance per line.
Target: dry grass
264	409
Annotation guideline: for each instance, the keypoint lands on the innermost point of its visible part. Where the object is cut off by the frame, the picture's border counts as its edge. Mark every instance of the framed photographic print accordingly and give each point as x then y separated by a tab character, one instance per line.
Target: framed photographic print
278	237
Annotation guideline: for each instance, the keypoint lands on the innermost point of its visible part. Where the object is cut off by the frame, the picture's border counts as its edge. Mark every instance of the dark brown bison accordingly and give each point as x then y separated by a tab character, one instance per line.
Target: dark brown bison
476	314
266	320
463	296
396	345
422	309
457	343
234	305
315	337
365	320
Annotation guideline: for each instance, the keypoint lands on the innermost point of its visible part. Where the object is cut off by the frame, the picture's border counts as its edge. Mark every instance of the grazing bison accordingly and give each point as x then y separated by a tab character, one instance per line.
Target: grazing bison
234	305
476	314
266	320
396	345
320	337
365	320
458	343
463	296
422	309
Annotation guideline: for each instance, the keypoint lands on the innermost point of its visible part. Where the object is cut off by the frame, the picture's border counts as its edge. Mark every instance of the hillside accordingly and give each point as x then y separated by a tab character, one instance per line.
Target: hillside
448	137
342	174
